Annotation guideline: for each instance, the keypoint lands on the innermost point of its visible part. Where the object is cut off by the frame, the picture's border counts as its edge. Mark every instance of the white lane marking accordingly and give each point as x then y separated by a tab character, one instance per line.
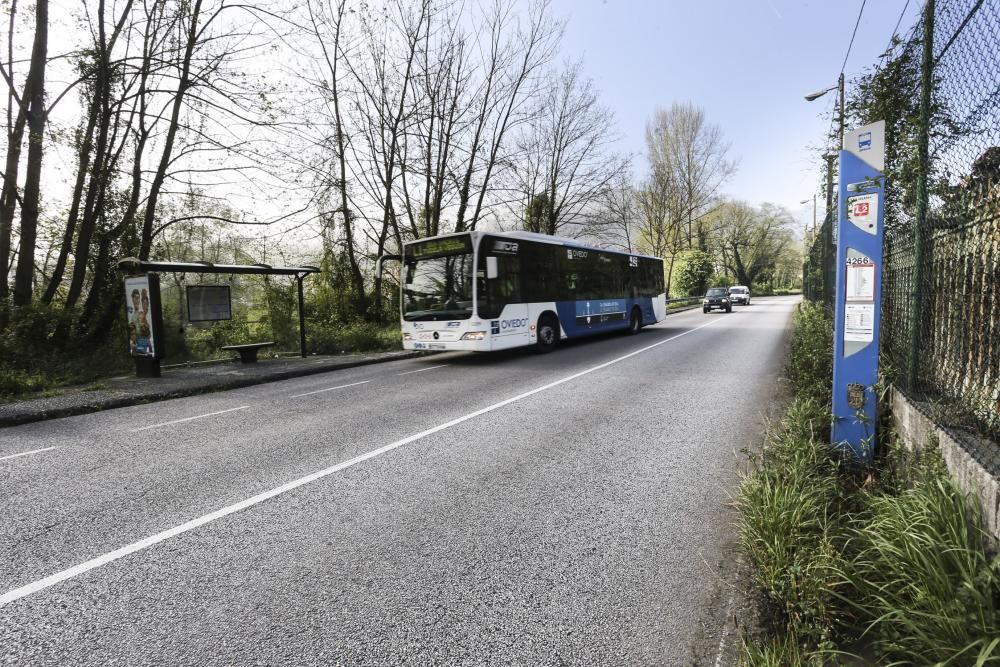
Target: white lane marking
109	557
725	635
33	451
421	370
187	419
320	391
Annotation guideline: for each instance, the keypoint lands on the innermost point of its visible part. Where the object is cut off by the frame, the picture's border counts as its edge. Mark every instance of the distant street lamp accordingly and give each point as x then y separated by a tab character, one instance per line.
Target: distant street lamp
806	201
840	106
829	272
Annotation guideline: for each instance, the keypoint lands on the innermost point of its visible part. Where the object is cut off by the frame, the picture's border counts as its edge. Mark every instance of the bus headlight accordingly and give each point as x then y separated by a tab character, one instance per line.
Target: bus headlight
474	335
407	336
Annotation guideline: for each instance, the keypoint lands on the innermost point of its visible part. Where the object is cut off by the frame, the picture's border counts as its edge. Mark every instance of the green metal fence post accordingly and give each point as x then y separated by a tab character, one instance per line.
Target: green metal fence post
922	196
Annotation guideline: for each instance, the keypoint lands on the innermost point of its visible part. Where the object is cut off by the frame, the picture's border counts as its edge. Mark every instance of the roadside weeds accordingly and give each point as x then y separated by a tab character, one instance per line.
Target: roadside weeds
888	565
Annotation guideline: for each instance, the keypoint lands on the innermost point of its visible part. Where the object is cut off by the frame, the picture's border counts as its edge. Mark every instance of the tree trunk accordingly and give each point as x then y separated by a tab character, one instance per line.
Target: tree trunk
98	109
25	274
8	197
83	159
357	280
92	208
146	239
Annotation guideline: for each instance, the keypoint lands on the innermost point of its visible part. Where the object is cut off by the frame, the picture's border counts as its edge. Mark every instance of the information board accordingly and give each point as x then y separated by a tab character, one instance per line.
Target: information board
209	303
860	232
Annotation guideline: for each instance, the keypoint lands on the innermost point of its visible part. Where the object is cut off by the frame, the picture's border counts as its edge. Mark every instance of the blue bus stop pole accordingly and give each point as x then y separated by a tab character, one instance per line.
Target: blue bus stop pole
860	231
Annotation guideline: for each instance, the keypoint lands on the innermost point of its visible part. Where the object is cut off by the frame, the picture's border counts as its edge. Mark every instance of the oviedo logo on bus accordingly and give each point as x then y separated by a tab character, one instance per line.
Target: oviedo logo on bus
496	326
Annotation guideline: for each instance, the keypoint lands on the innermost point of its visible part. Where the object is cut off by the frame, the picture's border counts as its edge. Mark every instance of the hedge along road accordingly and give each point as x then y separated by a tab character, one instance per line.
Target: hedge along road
457	508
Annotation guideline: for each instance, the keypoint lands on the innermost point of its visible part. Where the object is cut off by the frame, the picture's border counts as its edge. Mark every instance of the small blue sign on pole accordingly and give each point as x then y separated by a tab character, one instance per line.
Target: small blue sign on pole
860	226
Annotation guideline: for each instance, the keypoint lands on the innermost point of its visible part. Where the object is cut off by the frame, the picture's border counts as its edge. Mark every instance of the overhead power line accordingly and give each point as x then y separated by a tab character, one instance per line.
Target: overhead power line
853	34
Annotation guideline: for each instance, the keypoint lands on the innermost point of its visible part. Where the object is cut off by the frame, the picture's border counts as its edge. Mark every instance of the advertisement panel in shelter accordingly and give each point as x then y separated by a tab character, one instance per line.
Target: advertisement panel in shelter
140	317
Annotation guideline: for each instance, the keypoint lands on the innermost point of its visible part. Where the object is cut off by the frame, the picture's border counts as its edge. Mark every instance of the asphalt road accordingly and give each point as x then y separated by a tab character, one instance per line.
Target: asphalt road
454	509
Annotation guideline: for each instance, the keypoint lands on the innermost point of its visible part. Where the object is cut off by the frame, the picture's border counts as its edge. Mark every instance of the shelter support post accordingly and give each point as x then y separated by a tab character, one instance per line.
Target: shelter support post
302	318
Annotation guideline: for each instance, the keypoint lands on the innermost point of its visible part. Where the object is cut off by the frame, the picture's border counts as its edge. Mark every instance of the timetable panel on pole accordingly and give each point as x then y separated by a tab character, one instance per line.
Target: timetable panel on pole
860	227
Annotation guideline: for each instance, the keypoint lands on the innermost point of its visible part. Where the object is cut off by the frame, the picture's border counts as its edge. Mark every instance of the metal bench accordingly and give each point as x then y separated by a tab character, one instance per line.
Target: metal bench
248	351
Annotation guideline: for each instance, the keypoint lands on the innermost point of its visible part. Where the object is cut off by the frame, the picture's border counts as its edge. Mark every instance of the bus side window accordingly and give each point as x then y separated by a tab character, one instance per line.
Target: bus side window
495	293
540	263
650	276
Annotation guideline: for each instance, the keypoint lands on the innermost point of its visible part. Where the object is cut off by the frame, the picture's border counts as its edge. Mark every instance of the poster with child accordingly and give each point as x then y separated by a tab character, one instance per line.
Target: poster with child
140	330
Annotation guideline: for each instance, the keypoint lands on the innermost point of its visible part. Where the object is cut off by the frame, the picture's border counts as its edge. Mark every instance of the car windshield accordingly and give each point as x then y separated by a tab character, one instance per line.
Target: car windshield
439	288
737	290
717	291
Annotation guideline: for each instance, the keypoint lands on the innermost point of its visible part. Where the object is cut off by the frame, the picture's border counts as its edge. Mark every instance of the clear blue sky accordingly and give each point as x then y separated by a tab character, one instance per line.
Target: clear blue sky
747	63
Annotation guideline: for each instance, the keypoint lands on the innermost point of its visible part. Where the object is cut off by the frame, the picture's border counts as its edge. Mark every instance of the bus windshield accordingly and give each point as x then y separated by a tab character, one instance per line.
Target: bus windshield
438	288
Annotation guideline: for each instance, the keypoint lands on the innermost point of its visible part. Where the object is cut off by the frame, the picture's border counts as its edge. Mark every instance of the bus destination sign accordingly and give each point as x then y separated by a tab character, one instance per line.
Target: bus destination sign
449	245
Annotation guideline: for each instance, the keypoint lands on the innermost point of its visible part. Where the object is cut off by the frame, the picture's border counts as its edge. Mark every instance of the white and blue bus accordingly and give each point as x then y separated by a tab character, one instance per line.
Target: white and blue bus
485	291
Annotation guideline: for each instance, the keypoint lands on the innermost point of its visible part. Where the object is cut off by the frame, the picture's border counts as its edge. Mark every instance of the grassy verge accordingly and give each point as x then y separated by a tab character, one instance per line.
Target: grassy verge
889	562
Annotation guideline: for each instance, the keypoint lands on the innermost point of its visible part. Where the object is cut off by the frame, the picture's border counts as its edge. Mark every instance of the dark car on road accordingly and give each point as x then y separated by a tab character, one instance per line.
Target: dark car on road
717	297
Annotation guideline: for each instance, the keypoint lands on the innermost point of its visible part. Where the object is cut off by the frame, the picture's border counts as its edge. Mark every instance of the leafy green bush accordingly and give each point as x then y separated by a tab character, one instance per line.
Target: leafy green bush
201	344
45	346
329	338
694	270
810	362
14	383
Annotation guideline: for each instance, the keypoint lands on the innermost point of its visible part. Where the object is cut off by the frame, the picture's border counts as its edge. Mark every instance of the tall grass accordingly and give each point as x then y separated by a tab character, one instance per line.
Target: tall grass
896	559
789	503
924	583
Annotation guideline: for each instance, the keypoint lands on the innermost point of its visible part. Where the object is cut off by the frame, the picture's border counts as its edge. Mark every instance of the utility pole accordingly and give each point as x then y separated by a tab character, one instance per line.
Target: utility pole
829	251
840	92
829	270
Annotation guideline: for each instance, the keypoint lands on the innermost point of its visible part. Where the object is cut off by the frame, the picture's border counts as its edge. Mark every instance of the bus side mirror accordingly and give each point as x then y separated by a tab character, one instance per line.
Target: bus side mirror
381	259
491	268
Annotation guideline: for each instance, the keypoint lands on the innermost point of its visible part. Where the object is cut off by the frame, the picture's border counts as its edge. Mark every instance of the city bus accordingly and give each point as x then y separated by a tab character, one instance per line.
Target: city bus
484	291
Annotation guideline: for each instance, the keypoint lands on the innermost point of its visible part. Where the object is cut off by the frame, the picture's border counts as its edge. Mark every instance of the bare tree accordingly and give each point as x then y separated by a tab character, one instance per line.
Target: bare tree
441	109
31	113
384	107
328	28
515	54
616	221
660	229
691	152
563	163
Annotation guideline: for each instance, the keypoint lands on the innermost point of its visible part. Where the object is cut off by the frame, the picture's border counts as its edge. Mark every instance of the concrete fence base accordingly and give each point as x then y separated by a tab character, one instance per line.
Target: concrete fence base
916	430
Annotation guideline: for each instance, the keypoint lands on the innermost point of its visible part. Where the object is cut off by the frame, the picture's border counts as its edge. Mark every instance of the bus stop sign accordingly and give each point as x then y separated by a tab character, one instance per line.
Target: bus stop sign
860	227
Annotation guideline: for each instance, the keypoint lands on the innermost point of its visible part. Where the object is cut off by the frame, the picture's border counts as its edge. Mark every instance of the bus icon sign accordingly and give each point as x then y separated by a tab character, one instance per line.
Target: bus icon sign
864	141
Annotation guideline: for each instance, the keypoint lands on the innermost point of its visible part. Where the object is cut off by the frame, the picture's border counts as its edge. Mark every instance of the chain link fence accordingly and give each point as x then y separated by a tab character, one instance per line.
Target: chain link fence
938	89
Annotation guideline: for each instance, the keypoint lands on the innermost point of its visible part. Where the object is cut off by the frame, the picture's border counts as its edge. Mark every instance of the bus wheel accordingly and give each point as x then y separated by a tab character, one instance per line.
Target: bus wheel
635	322
548	333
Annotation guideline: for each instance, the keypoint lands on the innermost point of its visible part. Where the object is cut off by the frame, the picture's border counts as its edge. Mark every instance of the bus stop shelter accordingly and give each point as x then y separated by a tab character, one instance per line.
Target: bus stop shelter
134	266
